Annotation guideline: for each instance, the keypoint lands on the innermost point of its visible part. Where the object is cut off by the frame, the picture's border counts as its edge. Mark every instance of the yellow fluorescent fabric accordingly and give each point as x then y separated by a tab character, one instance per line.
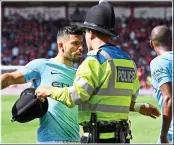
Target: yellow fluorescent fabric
90	75
62	95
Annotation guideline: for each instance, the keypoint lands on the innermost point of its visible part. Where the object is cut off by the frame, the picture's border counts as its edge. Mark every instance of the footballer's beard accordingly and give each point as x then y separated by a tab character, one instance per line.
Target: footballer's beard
75	58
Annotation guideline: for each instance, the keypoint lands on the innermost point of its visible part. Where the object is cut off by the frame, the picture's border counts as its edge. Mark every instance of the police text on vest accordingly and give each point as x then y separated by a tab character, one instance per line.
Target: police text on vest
125	74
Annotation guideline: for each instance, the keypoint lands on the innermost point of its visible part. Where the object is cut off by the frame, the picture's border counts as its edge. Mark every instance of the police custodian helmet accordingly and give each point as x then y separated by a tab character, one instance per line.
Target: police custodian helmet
28	107
101	18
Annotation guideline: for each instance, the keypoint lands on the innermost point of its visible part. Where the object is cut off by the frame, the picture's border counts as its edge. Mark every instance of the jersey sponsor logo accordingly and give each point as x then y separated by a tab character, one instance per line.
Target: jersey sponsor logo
158	73
125	74
59	84
54	72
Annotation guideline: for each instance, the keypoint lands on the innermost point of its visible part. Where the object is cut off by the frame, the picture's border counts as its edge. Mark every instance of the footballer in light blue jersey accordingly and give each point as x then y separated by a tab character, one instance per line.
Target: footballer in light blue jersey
161	71
162	78
60	122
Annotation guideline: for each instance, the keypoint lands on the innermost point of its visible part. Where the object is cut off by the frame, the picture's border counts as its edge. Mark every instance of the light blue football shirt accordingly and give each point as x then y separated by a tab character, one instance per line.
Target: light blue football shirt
60	122
162	72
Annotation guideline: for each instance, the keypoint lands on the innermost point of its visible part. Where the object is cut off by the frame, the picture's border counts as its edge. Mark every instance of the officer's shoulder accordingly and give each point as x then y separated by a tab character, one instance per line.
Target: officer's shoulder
93	52
95	55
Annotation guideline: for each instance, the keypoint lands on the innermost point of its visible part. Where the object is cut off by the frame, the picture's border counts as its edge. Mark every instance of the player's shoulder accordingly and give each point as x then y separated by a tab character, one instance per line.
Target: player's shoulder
39	60
156	61
160	64
160	61
96	56
37	63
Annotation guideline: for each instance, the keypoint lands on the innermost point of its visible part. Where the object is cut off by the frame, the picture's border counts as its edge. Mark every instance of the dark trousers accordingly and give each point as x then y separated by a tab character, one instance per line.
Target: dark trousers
85	139
120	128
112	140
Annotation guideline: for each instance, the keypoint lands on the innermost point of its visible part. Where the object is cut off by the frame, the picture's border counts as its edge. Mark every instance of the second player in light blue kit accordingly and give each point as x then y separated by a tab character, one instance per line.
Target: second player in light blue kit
60	123
162	77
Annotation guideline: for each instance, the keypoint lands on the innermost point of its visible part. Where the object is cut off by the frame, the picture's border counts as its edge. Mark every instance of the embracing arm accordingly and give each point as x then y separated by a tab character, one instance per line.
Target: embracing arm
8	79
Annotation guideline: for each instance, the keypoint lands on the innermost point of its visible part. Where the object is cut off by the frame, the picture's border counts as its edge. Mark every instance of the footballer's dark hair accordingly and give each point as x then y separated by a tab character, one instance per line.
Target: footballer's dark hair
69	30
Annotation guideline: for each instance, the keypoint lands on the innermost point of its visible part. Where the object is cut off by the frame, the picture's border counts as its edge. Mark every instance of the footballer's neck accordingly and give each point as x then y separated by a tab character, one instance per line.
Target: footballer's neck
162	50
64	60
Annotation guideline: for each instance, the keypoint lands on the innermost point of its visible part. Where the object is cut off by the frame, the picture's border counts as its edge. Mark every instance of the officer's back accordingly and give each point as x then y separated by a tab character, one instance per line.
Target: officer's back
110	76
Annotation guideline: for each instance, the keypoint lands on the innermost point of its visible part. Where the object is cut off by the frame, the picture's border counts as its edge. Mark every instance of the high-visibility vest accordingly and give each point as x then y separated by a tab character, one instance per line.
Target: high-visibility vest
113	91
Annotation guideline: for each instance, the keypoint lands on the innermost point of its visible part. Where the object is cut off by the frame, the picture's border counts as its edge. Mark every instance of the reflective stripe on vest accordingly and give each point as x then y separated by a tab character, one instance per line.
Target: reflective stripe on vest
103	108
74	96
83	83
106	55
113	92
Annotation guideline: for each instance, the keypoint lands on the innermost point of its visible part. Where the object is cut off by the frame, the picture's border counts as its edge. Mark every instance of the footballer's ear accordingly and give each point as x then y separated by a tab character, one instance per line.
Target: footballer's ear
60	46
91	34
151	44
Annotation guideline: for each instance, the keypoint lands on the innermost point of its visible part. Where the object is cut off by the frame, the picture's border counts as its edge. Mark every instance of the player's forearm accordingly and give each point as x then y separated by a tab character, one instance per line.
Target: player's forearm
167	115
62	95
6	80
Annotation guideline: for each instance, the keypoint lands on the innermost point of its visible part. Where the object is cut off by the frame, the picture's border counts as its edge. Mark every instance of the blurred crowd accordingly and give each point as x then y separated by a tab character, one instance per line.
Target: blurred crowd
26	39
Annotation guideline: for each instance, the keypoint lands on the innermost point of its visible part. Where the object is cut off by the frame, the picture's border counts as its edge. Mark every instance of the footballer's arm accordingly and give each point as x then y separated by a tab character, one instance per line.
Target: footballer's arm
166	90
8	79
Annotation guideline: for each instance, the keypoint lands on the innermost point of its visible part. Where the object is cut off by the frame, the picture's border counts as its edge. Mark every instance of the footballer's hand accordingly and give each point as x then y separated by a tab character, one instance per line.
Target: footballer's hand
41	99
43	92
149	110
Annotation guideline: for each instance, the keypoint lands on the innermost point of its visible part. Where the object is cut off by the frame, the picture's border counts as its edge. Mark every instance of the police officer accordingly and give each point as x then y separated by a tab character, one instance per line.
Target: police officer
106	83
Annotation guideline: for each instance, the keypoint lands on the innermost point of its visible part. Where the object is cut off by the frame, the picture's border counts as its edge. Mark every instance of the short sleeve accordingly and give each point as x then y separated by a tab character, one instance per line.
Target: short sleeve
160	71
33	69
